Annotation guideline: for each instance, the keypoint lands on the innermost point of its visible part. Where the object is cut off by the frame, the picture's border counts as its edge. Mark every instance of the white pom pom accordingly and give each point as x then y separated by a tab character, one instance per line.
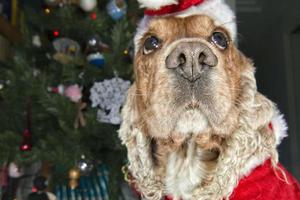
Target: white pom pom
156	4
280	127
88	5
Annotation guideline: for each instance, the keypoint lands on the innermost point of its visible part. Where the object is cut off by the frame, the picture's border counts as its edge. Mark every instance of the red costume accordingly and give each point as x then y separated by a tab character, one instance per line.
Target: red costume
267	183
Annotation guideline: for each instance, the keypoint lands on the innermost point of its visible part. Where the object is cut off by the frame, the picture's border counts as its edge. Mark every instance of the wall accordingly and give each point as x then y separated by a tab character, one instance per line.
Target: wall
231	3
265	35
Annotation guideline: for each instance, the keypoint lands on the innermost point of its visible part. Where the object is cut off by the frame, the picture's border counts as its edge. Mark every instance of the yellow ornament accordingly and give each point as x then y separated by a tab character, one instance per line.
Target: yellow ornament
73	183
74	173
47	11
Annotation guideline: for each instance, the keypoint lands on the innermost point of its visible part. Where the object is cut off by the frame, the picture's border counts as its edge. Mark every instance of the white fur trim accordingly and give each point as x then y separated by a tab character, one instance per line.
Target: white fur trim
252	163
279	126
156	4
218	10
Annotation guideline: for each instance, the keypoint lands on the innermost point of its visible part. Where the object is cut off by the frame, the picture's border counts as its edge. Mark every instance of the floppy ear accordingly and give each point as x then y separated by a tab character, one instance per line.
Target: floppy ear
138	150
129	116
257	110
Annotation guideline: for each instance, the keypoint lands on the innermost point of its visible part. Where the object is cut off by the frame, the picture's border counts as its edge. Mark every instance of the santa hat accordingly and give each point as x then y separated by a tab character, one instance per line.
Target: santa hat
218	10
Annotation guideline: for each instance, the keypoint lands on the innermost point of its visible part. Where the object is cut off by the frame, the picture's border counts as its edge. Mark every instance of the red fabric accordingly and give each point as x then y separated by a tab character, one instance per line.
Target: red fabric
271	126
267	183
182	5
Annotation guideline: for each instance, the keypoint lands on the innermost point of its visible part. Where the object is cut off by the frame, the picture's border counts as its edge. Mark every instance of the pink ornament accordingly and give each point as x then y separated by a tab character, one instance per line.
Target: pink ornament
73	92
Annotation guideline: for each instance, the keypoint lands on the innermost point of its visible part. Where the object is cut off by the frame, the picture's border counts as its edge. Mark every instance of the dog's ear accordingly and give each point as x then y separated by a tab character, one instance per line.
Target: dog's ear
138	145
129	115
256	109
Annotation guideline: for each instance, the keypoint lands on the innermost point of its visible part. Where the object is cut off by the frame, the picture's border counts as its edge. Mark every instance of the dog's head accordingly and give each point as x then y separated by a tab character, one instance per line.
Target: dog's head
192	80
188	74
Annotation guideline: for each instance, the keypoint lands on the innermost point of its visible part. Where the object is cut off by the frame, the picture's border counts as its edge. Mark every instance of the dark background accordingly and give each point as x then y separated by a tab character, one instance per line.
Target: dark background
269	33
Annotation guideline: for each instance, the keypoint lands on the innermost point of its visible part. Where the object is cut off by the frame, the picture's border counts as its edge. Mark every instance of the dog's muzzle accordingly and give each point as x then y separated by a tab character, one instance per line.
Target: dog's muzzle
191	59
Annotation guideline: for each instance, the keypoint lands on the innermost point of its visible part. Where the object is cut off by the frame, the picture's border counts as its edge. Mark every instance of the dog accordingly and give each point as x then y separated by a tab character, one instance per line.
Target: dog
194	124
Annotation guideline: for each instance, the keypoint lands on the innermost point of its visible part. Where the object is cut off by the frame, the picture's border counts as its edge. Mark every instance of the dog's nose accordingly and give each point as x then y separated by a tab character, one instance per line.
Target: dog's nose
190	59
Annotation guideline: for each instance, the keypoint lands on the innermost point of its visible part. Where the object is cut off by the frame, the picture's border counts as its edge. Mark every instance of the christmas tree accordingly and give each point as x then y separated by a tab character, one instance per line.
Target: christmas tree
64	86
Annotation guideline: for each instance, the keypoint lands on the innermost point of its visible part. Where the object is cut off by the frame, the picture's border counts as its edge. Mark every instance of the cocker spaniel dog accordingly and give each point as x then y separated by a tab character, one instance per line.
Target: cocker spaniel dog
194	124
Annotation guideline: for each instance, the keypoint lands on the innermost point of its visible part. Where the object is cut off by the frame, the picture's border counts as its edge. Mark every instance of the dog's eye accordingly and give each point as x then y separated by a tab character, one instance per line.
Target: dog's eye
220	39
151	43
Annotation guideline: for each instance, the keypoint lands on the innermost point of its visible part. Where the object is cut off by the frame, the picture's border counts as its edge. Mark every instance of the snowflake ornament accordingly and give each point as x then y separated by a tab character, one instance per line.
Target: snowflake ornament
109	96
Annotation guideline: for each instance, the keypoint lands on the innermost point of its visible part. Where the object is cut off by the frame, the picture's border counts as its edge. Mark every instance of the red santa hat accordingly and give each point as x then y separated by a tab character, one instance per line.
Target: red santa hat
218	10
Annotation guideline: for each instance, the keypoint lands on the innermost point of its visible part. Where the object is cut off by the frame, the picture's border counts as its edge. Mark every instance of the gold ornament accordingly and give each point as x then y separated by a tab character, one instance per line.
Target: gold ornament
73	184
47	11
74	173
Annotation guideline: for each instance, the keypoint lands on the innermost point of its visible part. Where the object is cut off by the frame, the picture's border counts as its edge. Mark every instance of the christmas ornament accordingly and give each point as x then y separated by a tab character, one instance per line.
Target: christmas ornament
40	184
87	5
53	34
73	92
116	9
90	187
26	143
96	59
56	33
74	175
94	49
36	41
129	53
14	170
93	16
66	46
85	166
109	96
47	10
57	90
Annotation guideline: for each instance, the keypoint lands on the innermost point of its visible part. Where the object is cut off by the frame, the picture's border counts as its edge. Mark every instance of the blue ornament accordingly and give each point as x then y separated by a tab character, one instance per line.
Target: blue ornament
96	59
116	9
94	49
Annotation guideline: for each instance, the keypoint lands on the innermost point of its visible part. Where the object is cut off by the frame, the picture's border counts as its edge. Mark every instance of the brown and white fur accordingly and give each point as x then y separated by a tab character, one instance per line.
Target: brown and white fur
195	141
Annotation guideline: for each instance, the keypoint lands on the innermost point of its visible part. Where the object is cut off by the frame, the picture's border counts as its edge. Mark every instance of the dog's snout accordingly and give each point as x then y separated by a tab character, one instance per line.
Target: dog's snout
190	59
